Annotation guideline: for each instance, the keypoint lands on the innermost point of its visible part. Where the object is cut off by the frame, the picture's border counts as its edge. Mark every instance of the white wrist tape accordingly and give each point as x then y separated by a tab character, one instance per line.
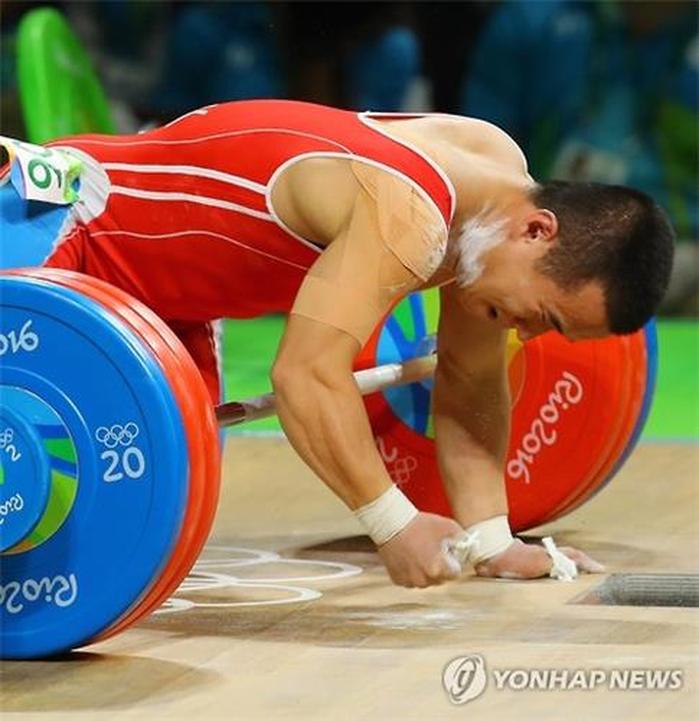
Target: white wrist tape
482	541
386	516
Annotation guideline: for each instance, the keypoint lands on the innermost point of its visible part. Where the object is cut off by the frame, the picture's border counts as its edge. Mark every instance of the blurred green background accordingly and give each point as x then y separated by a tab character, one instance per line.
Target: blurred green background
249	347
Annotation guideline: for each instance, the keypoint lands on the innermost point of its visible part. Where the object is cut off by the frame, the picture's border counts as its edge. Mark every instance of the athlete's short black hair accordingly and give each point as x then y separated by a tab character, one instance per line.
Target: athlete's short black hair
612	234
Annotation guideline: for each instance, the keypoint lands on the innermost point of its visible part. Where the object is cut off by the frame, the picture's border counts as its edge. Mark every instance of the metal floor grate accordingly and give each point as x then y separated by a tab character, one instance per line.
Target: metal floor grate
645	589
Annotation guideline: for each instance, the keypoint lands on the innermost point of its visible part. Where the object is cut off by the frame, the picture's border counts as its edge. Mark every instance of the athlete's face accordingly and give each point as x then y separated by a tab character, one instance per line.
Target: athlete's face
513	293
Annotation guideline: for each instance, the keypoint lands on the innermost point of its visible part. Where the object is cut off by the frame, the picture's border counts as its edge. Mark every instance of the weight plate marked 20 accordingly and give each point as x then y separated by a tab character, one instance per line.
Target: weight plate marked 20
94	373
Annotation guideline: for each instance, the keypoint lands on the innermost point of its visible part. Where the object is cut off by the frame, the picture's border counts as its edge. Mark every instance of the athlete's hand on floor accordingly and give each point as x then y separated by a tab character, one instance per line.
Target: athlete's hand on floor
524	560
415	557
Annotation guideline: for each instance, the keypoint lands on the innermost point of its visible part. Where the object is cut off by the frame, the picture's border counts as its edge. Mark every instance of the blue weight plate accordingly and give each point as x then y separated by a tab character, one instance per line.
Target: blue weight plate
24	477
118	412
403	337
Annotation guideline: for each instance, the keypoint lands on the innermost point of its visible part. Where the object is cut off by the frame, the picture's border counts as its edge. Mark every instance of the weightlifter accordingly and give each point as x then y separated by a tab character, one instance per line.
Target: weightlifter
241	209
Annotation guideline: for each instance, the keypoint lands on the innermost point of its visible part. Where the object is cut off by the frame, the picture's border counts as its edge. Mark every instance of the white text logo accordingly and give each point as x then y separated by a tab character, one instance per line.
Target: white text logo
27	340
567	392
59	590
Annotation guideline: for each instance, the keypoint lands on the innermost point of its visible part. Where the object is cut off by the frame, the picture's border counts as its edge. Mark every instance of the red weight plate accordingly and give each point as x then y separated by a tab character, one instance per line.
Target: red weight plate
569	414
636	373
566	424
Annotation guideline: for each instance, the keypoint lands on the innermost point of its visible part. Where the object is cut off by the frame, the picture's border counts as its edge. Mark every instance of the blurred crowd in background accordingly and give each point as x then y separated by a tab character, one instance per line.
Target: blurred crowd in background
600	90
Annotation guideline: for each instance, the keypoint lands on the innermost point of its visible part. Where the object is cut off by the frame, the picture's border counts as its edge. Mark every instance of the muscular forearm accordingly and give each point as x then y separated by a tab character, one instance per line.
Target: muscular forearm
325	421
471	419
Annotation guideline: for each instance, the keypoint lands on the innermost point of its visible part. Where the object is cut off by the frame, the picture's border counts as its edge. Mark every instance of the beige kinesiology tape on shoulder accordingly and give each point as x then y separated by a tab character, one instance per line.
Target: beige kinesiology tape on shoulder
409	226
392	245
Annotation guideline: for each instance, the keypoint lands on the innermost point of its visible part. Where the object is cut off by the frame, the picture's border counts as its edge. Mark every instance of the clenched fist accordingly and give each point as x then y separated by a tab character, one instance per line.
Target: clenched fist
416	557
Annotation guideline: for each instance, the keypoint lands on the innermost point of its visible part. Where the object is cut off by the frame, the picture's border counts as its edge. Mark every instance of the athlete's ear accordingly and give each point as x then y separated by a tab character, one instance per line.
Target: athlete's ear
540	226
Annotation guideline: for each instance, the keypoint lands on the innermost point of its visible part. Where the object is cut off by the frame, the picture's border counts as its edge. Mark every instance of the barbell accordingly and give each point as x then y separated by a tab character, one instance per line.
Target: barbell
109	445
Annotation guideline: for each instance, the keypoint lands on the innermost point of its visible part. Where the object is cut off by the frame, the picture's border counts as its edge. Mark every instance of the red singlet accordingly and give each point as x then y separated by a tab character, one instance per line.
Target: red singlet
181	218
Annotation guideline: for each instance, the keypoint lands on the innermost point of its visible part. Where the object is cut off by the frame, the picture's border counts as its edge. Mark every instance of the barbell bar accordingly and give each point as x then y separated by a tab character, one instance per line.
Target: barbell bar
369	380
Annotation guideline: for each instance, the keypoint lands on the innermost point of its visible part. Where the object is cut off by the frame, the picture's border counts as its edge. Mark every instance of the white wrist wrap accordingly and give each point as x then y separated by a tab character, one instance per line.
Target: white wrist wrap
482	541
386	516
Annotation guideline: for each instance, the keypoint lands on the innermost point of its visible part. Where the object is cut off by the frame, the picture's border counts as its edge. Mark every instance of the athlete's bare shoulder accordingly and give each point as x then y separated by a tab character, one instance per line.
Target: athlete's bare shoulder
473	136
481	138
484	138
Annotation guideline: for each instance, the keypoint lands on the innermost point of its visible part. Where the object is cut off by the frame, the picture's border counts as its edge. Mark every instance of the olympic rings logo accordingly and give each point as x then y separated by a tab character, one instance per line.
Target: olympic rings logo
117	435
221	575
402	470
6	437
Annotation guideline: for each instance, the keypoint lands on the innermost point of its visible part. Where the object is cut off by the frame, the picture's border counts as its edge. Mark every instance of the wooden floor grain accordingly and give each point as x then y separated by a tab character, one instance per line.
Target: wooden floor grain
235	644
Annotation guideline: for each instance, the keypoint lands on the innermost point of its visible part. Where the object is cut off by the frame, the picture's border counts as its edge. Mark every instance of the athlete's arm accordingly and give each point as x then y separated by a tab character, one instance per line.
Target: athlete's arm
321	410
347	292
471	407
